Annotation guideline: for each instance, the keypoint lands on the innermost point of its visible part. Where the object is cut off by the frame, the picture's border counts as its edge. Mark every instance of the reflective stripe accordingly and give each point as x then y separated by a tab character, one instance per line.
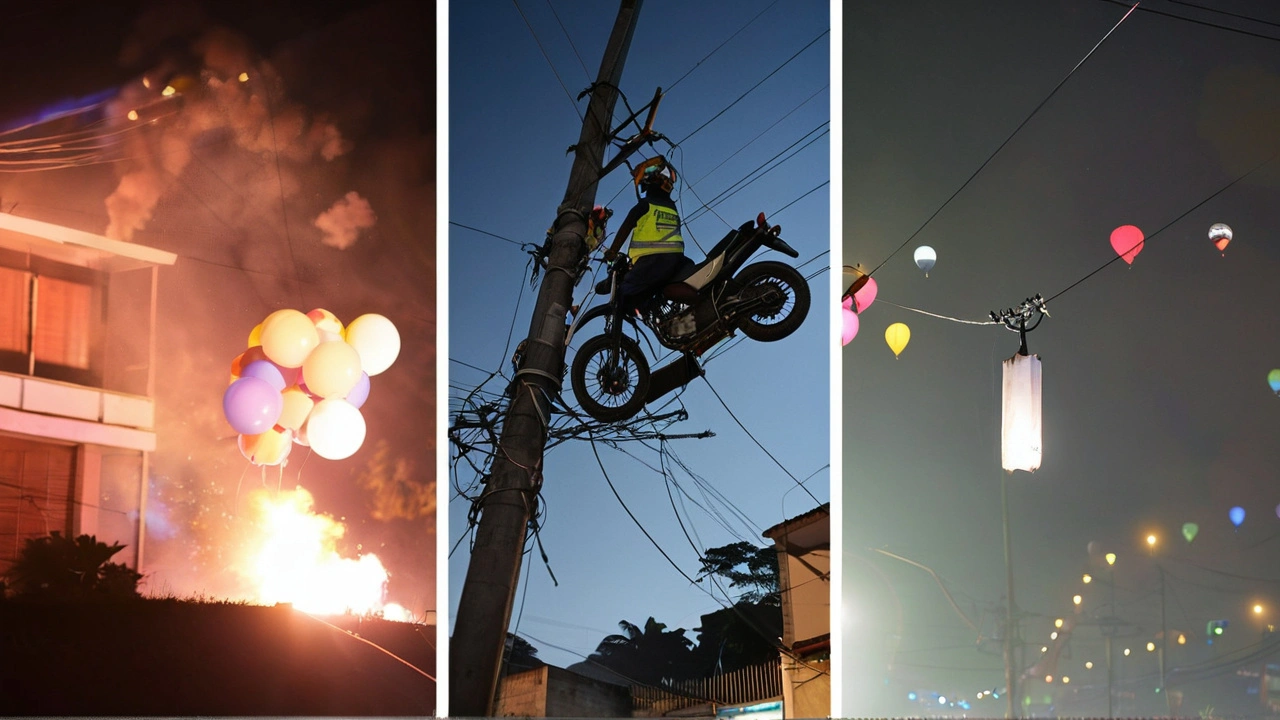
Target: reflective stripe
657	231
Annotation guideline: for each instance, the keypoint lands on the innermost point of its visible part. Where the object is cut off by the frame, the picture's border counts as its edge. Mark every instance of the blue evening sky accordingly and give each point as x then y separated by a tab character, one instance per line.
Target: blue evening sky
510	122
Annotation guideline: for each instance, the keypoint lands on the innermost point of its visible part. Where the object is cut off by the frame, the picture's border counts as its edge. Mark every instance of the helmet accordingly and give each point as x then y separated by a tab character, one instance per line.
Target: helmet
655	173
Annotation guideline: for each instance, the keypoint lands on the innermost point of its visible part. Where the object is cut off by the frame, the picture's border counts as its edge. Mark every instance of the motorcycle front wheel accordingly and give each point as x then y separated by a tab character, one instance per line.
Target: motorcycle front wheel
782	297
610	378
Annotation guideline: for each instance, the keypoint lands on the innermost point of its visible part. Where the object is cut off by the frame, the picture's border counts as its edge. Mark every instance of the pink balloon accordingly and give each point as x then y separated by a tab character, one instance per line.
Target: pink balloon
847	303
865	296
1126	240
850	326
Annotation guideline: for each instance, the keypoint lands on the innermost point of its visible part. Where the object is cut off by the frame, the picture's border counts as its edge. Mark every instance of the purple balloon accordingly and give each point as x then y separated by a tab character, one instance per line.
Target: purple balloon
265	370
251	405
360	392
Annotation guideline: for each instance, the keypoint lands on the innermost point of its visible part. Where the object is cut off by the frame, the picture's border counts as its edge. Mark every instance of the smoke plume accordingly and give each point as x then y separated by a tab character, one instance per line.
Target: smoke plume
342	223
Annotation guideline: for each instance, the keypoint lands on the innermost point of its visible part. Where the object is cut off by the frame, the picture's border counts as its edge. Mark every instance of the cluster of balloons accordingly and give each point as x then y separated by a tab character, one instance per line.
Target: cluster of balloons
853	304
303	380
1236	515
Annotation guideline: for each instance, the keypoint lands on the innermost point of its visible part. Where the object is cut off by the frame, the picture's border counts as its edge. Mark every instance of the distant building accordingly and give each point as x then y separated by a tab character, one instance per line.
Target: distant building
804	575
77	377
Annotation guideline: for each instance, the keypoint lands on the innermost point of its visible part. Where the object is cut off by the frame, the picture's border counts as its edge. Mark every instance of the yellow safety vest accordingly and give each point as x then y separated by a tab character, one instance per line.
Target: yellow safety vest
657	231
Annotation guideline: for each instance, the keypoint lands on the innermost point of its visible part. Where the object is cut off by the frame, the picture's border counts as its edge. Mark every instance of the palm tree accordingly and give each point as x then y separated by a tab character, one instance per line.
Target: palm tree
649	655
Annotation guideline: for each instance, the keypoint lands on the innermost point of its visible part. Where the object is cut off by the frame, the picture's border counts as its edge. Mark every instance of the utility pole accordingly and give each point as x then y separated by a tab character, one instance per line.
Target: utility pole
507	503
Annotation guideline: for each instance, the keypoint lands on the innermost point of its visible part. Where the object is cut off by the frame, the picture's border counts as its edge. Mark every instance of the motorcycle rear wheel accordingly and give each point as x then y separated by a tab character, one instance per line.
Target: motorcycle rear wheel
786	296
610	378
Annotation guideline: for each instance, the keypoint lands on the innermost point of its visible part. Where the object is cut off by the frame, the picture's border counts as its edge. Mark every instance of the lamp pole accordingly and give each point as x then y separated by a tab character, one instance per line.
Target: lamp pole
1010	623
1111	630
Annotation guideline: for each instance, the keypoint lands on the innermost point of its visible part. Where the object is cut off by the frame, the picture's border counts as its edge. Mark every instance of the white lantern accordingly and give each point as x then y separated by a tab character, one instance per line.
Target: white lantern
1020	421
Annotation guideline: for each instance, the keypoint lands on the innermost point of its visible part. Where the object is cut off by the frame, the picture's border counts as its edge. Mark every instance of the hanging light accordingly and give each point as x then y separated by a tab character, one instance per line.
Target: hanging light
1020	421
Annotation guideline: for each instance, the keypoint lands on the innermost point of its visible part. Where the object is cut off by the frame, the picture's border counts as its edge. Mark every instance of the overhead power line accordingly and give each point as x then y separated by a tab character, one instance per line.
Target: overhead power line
1205	23
753	87
995	152
547	57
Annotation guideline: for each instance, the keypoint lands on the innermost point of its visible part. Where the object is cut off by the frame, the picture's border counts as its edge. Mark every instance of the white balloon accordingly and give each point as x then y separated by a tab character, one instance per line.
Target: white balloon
925	257
377	341
335	429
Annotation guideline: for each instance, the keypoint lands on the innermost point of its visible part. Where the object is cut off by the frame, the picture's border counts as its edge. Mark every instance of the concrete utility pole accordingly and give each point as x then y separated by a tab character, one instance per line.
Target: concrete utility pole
484	610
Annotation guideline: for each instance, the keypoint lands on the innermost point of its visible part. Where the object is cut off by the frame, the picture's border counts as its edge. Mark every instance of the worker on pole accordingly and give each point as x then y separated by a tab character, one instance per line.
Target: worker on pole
657	249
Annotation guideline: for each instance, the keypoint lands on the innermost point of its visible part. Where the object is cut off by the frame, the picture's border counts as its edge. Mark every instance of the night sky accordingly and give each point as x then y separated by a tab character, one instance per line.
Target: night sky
1156	408
339	100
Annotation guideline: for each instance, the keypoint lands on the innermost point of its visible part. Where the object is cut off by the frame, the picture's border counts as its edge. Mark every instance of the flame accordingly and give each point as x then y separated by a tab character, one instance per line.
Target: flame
296	559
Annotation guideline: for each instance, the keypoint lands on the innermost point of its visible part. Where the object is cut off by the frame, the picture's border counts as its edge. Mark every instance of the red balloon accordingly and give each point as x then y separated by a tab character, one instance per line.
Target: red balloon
1126	240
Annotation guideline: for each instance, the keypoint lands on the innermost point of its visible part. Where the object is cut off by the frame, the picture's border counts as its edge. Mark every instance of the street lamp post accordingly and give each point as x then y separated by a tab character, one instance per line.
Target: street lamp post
1111	629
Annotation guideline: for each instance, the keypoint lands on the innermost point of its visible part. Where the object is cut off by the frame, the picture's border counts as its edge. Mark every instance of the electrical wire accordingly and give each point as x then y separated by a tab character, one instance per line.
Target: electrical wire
1169	224
758	444
753	87
1225	12
1204	23
706	57
995	152
547	57
569	37
517	243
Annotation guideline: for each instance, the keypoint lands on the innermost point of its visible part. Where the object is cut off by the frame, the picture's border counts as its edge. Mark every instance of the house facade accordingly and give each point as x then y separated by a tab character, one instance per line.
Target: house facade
77	377
804	575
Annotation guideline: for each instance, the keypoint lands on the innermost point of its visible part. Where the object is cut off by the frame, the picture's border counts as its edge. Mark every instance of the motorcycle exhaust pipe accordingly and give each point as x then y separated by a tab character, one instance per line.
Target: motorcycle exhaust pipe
672	376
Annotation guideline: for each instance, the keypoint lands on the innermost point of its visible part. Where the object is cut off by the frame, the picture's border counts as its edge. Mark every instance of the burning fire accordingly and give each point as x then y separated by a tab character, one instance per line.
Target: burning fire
296	561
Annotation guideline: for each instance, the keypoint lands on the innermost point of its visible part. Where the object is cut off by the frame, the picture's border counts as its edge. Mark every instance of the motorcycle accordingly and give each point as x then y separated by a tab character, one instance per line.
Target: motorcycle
702	306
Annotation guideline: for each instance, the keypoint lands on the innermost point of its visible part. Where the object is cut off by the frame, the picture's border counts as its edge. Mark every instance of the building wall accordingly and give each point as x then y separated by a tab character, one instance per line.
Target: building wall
809	601
808	685
523	694
554	692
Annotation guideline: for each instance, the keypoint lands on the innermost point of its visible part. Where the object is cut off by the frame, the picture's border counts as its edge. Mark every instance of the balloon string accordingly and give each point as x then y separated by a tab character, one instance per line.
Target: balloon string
940	317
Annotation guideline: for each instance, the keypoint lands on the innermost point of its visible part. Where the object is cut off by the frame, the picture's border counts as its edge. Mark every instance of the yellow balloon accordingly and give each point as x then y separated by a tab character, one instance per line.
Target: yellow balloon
288	337
331	370
255	335
898	335
297	406
377	341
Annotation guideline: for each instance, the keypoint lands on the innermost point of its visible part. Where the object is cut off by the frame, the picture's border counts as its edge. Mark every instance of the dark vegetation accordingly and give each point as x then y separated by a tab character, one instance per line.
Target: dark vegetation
77	639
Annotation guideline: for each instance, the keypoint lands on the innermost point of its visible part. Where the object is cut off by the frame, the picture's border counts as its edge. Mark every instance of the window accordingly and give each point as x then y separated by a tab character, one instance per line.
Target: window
63	330
48	322
15	319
